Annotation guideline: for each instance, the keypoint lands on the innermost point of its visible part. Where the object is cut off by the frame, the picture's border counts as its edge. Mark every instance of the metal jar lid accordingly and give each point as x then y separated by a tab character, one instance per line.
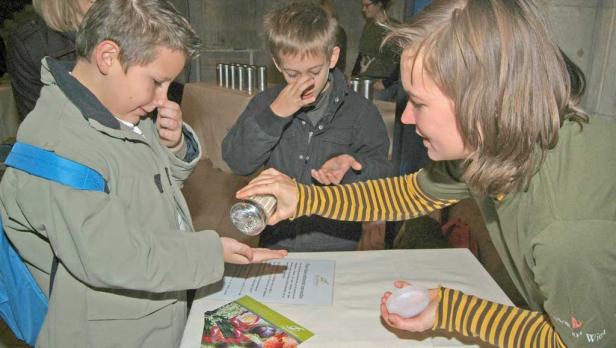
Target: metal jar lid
248	218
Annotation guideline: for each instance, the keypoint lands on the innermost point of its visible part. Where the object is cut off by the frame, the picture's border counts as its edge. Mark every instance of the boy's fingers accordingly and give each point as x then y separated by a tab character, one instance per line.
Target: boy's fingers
166	134
298	87
245	251
327	178
166	112
168	123
261	254
317	174
333	178
308	101
172	114
294	89
167	104
278	251
307	83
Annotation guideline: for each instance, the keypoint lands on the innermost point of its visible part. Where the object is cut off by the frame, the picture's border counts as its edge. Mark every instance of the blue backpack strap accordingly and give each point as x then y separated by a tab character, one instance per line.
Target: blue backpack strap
23	305
47	165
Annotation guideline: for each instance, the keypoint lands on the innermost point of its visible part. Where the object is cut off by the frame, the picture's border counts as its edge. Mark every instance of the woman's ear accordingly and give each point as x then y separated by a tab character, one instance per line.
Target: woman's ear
106	54
333	59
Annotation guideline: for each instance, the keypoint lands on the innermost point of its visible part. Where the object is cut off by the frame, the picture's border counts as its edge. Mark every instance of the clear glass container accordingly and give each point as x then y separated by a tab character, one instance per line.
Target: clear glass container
251	215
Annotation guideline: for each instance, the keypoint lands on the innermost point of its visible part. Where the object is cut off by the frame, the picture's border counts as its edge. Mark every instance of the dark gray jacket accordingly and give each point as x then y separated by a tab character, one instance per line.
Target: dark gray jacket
351	125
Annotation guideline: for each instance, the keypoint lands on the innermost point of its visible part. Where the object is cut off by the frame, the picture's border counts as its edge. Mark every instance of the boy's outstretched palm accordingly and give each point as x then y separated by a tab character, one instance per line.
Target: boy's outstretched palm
240	253
334	169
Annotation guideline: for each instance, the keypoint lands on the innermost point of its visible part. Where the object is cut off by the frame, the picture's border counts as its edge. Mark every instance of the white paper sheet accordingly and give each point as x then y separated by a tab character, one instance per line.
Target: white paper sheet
293	281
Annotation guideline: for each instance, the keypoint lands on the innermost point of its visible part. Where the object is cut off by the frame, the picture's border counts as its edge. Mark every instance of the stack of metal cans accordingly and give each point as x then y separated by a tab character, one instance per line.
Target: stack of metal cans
242	77
363	86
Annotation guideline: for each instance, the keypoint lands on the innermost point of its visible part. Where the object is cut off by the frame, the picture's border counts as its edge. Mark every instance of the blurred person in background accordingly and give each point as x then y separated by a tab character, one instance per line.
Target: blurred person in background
341	36
50	34
373	61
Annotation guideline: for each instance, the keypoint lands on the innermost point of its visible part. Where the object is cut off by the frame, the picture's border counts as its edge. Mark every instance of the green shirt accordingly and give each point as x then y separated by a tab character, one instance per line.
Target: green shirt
124	257
558	238
376	62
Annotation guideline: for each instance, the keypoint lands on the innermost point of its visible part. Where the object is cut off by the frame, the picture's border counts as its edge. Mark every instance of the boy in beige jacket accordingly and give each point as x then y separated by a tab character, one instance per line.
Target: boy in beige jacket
124	257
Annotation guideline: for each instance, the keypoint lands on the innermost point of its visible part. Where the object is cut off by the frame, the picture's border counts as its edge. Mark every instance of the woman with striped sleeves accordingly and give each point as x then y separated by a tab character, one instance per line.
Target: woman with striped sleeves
495	101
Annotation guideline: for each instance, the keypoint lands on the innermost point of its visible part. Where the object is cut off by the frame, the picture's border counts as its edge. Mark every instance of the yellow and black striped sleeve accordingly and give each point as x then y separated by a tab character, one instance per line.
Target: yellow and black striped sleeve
390	199
497	324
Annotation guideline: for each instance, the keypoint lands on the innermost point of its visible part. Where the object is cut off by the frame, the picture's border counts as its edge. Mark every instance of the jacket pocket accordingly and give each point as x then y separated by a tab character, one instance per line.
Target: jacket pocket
339	136
125	304
334	142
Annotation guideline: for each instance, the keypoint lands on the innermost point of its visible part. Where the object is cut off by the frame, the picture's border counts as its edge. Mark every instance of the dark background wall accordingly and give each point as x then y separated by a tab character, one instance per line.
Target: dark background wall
232	32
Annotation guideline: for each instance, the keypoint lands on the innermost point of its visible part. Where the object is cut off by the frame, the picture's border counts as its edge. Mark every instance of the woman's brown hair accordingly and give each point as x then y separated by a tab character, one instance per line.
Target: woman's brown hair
511	85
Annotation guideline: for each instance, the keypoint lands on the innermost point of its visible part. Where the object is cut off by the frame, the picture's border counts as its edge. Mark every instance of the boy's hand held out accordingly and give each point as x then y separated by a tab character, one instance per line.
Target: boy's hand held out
334	169
240	253
293	97
169	123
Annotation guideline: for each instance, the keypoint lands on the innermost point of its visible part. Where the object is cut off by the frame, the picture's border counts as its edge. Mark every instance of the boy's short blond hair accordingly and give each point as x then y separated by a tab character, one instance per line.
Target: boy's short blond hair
139	27
300	28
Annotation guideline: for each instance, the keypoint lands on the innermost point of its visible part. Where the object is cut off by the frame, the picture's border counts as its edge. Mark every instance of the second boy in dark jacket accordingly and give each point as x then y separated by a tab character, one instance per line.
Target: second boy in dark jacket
314	129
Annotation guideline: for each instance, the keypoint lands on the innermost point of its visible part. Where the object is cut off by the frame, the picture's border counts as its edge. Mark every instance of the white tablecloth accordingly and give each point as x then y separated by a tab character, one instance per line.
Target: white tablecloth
361	278
9	119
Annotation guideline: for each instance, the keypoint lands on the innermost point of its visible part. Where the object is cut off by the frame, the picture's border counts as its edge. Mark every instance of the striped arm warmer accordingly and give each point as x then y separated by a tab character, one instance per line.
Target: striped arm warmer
391	199
497	324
